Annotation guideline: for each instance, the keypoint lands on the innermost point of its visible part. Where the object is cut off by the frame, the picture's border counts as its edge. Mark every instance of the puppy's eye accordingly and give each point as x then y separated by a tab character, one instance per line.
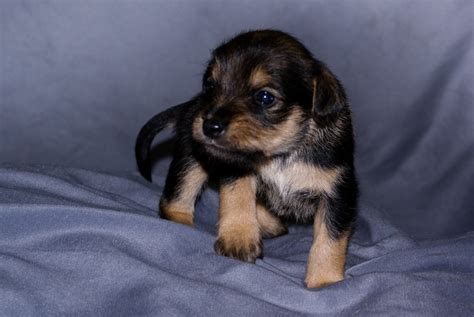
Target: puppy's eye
264	98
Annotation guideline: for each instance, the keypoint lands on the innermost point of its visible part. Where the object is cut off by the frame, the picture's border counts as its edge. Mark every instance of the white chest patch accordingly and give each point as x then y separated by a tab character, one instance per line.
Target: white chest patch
291	177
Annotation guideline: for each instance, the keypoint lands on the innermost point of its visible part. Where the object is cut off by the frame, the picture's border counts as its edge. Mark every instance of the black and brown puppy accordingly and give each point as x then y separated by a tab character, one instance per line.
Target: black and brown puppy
272	125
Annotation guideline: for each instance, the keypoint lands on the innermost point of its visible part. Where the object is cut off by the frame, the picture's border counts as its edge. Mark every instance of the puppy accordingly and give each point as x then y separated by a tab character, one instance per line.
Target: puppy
272	127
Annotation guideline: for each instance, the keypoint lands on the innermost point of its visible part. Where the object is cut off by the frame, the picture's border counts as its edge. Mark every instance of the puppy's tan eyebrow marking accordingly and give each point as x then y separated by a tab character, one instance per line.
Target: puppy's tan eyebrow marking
216	69
259	77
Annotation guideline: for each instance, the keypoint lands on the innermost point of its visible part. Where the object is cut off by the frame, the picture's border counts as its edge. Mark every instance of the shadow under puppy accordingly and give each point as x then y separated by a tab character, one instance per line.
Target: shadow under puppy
273	127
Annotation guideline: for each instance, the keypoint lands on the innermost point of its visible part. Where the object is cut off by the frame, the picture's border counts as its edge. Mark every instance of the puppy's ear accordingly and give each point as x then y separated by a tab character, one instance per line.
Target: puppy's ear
328	94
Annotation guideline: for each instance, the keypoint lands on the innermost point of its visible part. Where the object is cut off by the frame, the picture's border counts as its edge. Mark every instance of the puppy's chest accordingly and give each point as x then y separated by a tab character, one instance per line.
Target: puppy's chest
294	188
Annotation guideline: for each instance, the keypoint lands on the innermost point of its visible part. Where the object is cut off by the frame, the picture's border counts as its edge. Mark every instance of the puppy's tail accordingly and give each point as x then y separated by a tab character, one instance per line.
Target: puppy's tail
162	120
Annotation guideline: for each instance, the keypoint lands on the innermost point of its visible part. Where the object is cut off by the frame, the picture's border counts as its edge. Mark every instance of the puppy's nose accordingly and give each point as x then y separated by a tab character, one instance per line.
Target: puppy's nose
213	128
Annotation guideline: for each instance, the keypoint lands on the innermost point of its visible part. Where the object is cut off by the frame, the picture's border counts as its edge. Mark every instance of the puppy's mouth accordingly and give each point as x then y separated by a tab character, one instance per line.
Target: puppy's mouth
230	157
215	149
213	145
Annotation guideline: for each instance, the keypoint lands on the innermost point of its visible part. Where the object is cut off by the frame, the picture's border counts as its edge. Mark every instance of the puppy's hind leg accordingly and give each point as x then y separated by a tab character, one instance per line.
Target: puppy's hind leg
327	256
332	228
183	184
270	225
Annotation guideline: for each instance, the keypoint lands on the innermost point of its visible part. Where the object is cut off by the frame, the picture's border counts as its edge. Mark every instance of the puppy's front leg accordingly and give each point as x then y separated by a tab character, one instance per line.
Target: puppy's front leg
327	256
239	234
184	182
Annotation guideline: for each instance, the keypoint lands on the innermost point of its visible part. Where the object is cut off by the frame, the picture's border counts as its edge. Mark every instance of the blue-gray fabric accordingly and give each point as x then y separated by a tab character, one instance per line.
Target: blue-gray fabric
76	242
79	78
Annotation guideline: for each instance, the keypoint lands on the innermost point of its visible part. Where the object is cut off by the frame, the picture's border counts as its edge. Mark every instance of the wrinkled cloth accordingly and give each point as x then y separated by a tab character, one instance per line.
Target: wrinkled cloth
77	242
79	78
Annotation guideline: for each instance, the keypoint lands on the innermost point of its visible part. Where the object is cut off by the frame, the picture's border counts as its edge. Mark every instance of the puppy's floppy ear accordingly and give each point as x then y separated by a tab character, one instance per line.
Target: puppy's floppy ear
328	94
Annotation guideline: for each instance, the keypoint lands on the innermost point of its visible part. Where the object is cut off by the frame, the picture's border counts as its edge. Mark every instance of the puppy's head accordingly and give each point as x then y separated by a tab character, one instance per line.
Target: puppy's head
260	92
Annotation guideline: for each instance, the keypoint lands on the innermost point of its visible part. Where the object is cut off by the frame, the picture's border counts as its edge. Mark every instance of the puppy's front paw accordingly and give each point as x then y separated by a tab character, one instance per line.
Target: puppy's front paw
183	218
239	246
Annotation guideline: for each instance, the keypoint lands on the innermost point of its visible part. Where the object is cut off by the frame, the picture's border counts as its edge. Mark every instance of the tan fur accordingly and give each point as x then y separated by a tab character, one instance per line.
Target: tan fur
172	213
197	129
301	176
246	133
270	225
239	235
327	256
181	209
216	69
259	77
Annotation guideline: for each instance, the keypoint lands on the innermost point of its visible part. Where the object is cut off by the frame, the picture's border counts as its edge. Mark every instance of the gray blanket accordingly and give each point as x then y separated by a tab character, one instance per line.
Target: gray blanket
79	78
76	242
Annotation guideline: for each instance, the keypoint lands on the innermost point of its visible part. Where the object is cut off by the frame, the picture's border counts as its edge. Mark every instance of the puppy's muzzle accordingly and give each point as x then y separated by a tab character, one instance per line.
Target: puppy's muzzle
214	127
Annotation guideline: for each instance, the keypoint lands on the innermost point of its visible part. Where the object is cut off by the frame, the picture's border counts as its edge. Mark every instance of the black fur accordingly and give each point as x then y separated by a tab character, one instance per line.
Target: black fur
148	132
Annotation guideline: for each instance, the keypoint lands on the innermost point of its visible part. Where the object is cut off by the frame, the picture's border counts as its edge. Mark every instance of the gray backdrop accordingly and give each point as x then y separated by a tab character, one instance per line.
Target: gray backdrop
79	78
